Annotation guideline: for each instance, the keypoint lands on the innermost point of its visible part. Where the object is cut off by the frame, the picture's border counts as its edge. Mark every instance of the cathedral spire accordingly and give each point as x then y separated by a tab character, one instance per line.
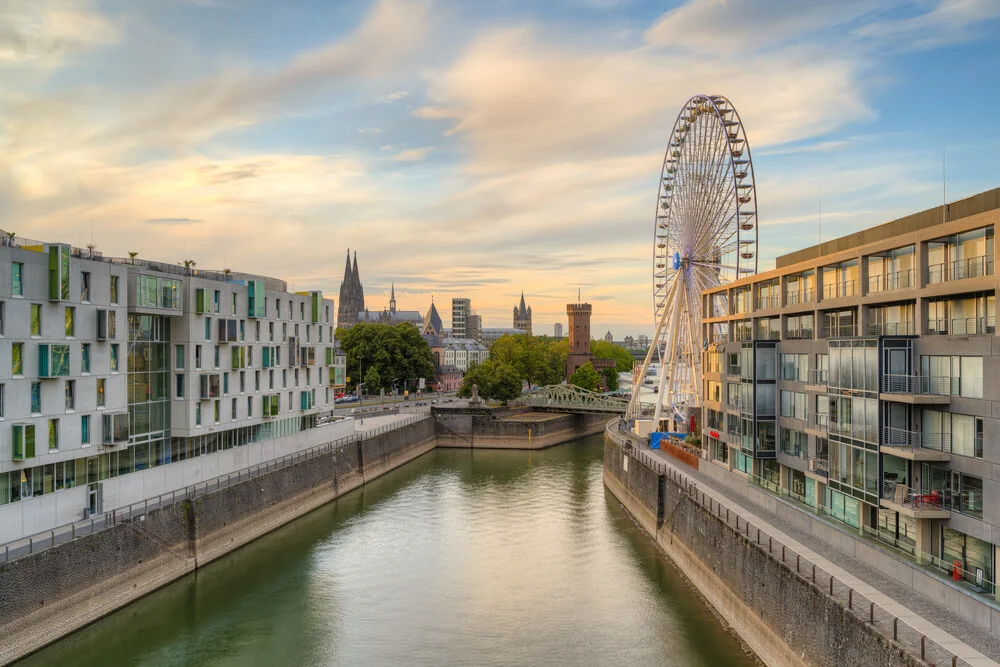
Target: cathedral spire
347	269
392	298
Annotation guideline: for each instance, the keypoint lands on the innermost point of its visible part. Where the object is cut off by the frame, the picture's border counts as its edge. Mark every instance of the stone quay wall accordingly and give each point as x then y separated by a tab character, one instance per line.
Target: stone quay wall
51	593
779	613
491	428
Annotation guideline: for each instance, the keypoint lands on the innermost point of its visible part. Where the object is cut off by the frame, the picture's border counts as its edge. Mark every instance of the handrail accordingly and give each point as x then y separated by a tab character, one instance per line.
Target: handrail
916	384
25	546
855	602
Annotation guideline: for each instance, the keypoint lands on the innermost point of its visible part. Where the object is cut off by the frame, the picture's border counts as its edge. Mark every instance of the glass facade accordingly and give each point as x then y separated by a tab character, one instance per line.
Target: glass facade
149	378
154	292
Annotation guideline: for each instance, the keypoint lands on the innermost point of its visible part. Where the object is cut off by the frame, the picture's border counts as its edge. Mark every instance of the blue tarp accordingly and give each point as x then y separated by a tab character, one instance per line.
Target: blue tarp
656	436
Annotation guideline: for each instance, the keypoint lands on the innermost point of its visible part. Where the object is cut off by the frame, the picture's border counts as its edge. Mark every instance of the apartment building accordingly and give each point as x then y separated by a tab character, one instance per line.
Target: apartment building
859	378
461	308
113	372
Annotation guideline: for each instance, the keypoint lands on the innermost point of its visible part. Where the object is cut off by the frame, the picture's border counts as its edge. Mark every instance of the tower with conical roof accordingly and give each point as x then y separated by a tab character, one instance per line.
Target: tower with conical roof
392	298
522	316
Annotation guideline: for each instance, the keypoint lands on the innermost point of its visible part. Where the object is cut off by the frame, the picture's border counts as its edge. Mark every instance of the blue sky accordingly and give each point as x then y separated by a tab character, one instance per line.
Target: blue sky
474	148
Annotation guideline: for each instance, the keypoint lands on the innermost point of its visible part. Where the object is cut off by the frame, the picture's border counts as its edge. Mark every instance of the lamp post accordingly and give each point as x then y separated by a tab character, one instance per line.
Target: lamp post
361	396
394	401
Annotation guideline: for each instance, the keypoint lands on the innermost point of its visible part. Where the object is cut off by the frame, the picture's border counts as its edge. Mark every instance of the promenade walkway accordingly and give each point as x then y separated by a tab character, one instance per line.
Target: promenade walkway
974	645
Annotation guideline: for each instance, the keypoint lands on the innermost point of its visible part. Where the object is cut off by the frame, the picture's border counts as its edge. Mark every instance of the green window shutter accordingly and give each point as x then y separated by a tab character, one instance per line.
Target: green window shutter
43	361
29	441
18	449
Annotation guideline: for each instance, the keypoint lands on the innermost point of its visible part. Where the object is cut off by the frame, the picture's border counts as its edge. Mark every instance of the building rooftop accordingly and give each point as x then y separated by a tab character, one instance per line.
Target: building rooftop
979	203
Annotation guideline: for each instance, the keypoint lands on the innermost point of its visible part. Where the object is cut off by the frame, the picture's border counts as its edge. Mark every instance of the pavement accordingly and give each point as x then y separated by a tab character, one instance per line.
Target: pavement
976	646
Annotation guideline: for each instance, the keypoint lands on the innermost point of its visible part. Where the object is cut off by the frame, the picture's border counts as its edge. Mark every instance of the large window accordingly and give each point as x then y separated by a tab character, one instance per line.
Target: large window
891	270
958	492
965	374
795	367
153	292
794	443
36	319
793	404
149	378
17	279
854	365
965	255
960	434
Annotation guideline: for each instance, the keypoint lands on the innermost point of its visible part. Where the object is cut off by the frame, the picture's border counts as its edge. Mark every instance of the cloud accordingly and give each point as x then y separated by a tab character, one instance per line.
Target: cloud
33	31
171	221
950	22
412	155
392	97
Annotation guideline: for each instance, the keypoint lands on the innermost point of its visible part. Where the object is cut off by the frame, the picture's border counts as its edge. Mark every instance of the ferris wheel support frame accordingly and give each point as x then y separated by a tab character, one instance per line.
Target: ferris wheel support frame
671	349
633	407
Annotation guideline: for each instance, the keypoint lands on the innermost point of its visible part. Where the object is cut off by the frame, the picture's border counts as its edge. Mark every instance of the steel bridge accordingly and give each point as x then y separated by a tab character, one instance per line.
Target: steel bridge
570	398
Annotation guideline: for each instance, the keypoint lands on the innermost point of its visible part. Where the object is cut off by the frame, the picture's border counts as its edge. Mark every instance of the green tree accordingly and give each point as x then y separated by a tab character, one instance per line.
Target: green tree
495	380
610	378
586	376
602	349
393	350
372	380
539	360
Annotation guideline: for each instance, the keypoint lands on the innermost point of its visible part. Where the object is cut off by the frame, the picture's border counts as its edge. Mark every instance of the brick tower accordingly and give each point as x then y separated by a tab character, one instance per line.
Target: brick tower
579	336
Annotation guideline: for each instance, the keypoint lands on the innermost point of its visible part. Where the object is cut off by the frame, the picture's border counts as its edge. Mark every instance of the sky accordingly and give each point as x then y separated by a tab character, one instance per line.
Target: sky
474	148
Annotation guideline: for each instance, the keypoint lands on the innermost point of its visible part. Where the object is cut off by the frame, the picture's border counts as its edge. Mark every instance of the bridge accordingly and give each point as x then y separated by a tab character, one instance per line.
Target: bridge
570	398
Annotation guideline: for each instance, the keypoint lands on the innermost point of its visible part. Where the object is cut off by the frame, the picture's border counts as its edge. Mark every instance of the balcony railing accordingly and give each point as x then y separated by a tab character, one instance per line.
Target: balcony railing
898	437
857	431
817	420
962	326
840	289
768	334
806	295
971	267
732	369
916	384
891	281
818	376
800	333
743	333
769	301
840	331
892	329
819	466
910	497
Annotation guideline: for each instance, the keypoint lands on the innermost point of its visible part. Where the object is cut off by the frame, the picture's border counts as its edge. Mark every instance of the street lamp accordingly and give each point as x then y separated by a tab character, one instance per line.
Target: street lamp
361	396
394	401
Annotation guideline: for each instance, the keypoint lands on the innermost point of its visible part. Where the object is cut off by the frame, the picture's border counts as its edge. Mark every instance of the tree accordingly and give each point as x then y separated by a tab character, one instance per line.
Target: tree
394	350
132	254
539	360
602	349
372	380
495	380
610	378
586	376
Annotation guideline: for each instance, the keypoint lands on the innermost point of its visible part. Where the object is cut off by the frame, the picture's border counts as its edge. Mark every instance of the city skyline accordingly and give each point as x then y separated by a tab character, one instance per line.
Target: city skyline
201	130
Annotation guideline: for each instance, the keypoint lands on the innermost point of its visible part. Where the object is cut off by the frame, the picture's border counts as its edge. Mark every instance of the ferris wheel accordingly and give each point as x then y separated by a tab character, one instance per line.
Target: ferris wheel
705	235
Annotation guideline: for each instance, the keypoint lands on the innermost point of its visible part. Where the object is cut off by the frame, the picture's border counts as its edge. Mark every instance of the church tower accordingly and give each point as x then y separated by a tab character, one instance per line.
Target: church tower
579	336
522	316
352	294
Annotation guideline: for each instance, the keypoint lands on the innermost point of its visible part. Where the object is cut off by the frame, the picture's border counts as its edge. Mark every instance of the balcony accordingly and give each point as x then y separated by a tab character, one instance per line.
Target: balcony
801	296
817	379
819	466
768	334
968	326
771	301
816	423
734	370
916	446
916	389
841	289
840	331
959	269
892	329
891	281
913	502
799	333
743	332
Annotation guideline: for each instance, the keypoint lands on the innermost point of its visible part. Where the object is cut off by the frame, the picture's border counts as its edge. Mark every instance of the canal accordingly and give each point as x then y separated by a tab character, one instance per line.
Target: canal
458	558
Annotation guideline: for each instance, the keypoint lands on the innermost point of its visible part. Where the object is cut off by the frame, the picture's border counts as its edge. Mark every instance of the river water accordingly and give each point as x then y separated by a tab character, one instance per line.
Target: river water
457	558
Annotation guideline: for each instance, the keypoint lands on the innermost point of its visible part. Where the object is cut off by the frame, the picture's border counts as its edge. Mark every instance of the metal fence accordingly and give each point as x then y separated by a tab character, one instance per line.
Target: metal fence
96	523
883	620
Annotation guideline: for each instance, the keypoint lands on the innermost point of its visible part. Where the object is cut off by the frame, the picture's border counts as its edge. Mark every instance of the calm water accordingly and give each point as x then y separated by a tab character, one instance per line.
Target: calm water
459	558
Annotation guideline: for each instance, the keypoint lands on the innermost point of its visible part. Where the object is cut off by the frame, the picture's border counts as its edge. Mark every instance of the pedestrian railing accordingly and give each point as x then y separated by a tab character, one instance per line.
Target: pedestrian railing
26	546
904	632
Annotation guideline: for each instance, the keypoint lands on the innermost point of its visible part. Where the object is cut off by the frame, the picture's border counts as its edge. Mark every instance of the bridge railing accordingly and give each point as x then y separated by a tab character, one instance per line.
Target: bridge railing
902	631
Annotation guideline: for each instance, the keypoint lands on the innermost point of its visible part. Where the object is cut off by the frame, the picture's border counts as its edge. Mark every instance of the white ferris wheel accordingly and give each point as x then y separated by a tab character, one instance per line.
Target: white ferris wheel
704	235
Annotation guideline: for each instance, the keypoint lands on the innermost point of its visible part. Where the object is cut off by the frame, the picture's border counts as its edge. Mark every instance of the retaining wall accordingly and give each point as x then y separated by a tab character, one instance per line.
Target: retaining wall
54	592
784	617
524	428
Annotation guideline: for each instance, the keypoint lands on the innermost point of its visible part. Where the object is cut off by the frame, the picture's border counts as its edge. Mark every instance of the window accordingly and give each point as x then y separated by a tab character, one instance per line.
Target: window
197	414
114	289
234	303
36	319
302	311
1	407
70	321
794	367
179	381
114	357
85	430
70	394
53	434
197	356
17	276
965	375
85	286
152	292
100	392
225	383
3	316
85	358
218	355
217	406
249	405
793	404
36	397
216	298
179	357
17	359
234	410
208	328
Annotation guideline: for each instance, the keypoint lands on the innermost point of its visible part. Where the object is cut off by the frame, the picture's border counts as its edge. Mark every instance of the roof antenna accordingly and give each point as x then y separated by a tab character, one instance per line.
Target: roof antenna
821	220
944	186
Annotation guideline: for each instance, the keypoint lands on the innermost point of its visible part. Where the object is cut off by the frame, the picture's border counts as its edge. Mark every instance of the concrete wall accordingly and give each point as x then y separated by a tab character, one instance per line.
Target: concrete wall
493	428
58	590
782	616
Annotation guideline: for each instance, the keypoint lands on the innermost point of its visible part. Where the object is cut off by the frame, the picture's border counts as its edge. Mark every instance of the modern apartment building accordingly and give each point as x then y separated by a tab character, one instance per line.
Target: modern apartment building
460	311
859	378
114	372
